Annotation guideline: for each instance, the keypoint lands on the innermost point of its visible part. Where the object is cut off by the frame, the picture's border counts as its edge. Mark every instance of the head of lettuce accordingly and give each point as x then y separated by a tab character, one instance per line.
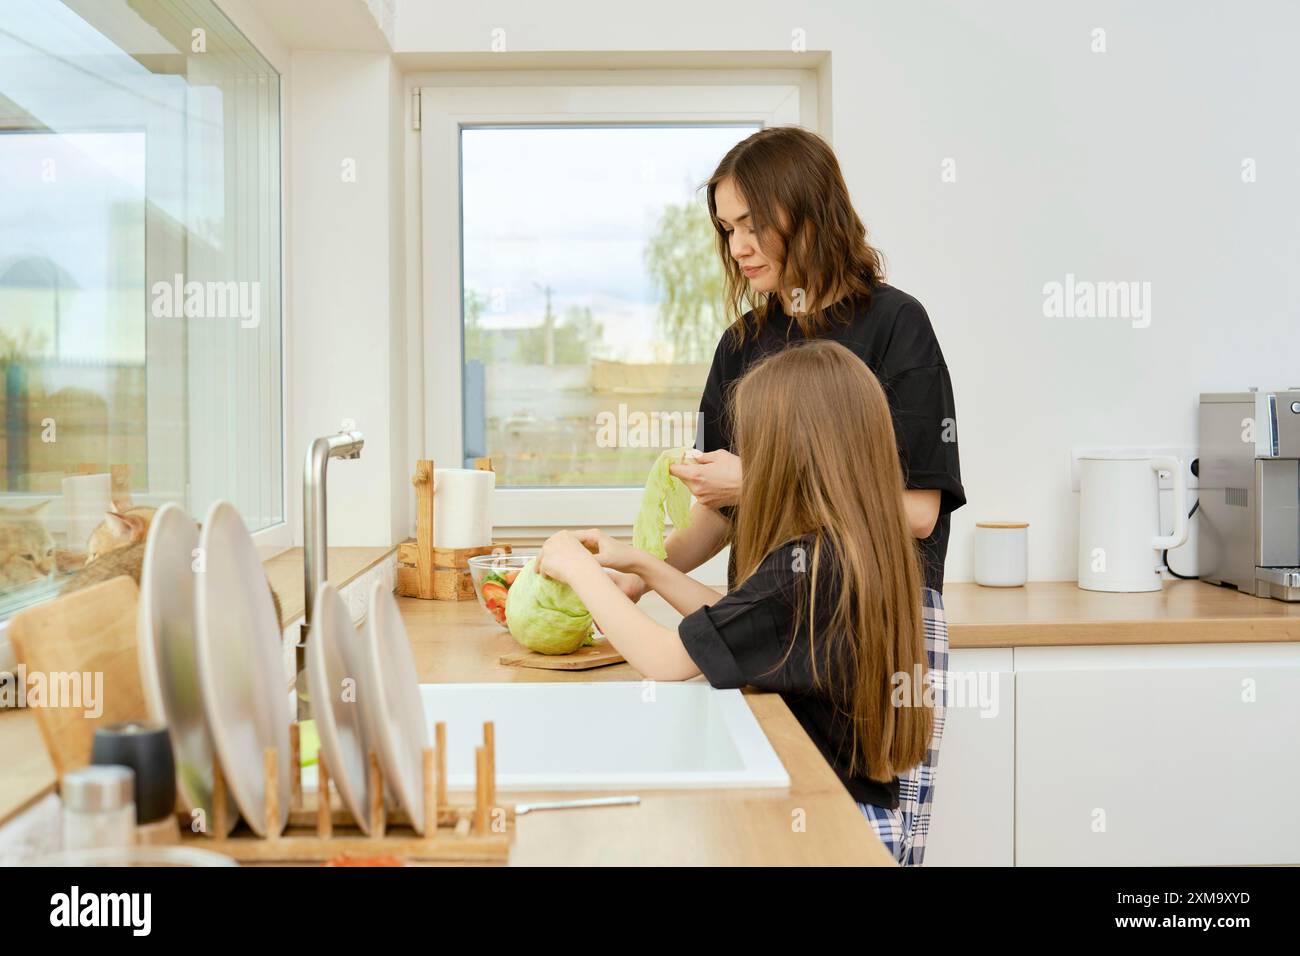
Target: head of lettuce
545	615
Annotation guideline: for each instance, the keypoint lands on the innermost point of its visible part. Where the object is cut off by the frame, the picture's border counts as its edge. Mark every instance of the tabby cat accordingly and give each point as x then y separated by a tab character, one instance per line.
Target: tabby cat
116	548
120	529
26	548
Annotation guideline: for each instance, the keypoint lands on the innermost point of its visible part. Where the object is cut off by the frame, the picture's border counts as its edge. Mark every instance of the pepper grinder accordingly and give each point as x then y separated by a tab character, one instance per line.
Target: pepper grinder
145	748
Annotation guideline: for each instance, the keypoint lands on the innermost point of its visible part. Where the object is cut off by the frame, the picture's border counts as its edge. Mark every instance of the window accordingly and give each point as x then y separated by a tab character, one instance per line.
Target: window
568	252
592	296
139	276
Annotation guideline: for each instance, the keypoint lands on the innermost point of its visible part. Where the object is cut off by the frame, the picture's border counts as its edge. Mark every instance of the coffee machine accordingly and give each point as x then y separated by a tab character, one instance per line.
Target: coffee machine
1249	535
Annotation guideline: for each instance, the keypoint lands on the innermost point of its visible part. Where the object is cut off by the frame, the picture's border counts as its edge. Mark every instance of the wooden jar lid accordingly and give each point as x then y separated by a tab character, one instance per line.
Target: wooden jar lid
1002	524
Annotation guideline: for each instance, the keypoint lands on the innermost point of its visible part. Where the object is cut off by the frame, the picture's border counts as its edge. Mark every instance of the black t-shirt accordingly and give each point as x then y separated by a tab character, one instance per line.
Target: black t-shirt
893	335
743	640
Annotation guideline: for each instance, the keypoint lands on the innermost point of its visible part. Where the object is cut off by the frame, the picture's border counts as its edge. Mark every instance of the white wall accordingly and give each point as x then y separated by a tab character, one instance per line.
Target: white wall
1123	165
347	313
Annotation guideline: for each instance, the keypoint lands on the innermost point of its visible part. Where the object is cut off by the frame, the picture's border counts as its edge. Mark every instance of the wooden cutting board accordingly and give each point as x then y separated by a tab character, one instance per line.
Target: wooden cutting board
88	631
600	654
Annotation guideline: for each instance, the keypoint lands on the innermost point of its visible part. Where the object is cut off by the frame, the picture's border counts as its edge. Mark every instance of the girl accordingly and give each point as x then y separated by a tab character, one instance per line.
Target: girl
798	267
827	608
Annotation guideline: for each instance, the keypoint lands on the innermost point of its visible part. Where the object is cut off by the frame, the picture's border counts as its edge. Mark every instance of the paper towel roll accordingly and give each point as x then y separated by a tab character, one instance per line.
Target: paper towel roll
462	507
86	499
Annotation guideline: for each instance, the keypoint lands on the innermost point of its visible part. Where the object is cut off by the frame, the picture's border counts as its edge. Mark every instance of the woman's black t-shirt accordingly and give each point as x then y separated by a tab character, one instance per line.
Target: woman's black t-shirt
745	639
893	335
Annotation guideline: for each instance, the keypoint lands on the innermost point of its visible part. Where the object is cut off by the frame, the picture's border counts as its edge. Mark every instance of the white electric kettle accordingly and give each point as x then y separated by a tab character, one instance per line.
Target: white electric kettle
1120	543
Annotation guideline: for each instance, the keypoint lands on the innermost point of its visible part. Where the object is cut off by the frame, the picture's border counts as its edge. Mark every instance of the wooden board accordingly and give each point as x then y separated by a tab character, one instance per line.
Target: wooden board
86	632
600	654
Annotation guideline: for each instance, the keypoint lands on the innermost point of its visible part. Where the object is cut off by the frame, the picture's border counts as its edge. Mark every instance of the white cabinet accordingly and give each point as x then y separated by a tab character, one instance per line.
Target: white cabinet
973	819
1156	755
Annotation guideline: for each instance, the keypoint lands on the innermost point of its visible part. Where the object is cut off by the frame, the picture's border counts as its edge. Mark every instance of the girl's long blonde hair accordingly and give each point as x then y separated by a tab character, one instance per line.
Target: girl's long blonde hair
813	428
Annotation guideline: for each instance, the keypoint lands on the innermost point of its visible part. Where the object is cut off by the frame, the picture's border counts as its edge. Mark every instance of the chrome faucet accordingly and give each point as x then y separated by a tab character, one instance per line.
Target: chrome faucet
347	445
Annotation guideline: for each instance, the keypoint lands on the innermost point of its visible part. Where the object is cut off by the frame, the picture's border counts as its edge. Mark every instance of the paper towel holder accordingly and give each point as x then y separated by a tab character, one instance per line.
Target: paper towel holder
432	573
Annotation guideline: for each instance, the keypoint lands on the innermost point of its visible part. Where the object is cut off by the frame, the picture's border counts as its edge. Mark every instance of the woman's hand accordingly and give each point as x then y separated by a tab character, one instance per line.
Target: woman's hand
611	553
562	554
712	476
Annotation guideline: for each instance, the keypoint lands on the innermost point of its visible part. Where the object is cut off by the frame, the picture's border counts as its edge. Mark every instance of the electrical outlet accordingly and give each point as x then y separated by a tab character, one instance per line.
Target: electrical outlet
1166	481
1186	456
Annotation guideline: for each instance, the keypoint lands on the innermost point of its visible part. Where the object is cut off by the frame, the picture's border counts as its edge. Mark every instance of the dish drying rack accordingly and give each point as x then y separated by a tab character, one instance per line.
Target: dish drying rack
319	831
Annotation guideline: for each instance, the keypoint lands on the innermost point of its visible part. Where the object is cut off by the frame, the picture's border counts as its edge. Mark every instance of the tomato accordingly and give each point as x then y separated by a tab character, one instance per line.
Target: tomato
510	577
494	593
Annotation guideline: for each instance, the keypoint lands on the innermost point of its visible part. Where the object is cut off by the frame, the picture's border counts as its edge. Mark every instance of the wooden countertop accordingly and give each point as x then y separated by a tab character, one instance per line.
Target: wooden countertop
457	642
1055	613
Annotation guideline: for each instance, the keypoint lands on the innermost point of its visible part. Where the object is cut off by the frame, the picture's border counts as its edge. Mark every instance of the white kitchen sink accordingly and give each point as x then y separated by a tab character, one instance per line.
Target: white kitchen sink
605	736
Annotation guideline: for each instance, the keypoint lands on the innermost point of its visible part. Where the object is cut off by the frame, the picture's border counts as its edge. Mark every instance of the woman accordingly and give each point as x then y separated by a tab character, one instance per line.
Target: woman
826	608
798	267
795	251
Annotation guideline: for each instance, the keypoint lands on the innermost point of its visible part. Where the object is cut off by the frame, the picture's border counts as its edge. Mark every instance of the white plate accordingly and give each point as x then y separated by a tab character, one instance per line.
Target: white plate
245	692
168	669
334	659
391	695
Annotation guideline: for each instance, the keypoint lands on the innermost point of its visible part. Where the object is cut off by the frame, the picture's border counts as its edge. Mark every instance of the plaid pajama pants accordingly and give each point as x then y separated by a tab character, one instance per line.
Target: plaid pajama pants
903	831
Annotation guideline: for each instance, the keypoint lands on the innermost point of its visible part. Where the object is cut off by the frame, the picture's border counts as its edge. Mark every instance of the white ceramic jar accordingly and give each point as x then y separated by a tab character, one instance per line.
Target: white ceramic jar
1001	553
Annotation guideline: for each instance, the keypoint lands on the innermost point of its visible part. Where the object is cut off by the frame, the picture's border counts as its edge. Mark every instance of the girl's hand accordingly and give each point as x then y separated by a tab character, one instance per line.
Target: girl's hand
611	553
712	476
562	554
633	585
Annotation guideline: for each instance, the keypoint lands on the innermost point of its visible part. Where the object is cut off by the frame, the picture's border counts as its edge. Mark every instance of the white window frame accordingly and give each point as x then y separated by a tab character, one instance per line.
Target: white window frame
444	112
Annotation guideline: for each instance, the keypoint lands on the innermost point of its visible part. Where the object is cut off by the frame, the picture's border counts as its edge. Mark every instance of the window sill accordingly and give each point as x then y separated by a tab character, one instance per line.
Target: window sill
285	572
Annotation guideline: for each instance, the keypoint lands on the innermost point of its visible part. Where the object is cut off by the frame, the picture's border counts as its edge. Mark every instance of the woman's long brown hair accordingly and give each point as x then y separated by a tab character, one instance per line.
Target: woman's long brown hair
804	219
814	431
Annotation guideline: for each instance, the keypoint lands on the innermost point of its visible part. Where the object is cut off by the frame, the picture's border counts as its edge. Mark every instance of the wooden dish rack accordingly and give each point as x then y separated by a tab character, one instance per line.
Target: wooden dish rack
318	831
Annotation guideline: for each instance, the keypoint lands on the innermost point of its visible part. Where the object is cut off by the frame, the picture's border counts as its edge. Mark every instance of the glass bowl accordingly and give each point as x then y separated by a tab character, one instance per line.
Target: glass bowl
493	574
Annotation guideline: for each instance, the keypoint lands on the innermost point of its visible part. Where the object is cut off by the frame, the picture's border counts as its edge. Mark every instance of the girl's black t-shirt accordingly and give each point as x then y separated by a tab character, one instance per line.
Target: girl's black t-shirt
749	638
893	335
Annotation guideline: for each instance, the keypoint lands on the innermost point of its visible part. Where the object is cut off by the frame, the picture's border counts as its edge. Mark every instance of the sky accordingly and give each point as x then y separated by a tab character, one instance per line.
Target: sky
87	223
573	208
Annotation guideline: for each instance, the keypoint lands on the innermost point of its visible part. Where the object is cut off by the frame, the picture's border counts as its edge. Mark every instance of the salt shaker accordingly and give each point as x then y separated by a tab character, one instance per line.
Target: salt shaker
98	807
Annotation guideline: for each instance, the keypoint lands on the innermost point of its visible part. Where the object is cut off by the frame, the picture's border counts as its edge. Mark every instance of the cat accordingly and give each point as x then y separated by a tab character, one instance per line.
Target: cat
26	548
119	551
119	529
